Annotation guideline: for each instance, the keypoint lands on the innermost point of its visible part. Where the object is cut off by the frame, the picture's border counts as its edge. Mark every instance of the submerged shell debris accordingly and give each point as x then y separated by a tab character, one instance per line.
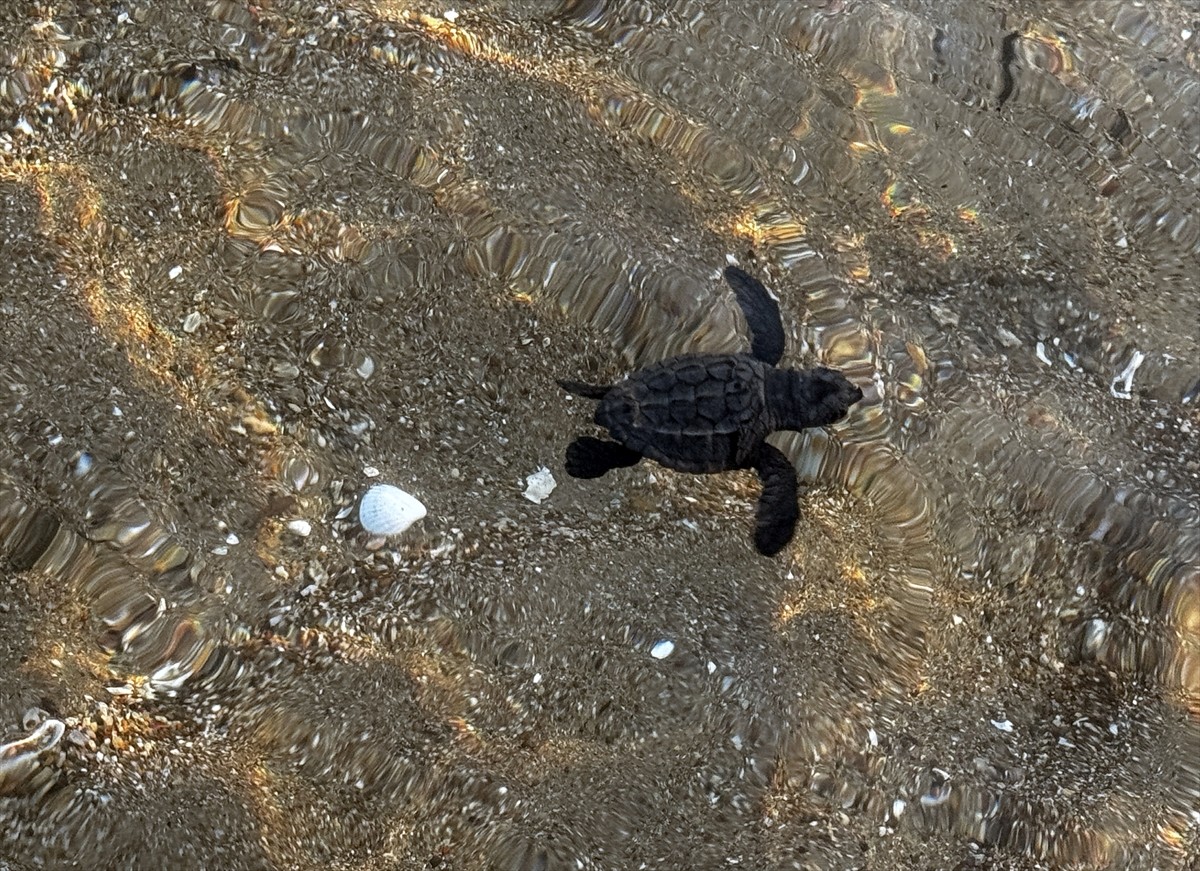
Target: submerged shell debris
539	485
388	510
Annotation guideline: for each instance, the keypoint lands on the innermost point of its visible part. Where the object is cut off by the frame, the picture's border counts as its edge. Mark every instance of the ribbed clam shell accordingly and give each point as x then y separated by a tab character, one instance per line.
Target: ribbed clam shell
388	510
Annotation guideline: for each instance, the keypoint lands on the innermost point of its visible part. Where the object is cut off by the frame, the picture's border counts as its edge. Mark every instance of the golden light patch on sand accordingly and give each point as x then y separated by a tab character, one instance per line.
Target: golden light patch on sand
468	43
1053	49
1182	670
612	100
72	216
900	203
765	228
129	730
940	245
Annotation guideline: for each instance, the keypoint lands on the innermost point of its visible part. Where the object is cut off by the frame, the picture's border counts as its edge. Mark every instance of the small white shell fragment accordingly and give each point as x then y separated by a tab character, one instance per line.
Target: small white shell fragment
1094	635
175	272
83	464
539	485
1125	377
192	322
388	510
662	649
300	527
1003	725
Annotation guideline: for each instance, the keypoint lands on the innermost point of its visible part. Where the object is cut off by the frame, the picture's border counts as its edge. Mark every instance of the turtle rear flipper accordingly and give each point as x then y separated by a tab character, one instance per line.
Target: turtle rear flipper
775	523
582	388
762	315
589	457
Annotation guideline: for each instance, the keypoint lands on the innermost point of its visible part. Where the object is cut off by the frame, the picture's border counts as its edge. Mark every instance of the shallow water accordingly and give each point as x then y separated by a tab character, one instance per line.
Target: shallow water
256	257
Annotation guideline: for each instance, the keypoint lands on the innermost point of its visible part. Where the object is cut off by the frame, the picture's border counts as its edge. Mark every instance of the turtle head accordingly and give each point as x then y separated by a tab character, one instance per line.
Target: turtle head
800	398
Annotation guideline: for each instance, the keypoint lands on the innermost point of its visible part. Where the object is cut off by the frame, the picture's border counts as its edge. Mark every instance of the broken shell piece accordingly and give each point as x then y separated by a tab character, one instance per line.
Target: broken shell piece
539	485
388	510
20	759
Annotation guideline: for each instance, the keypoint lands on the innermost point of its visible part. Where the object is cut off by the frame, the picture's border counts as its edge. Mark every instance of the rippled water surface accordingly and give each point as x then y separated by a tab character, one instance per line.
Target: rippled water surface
255	257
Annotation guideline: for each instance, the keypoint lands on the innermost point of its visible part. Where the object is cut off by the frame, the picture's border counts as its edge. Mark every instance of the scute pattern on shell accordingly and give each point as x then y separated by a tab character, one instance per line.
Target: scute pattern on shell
695	412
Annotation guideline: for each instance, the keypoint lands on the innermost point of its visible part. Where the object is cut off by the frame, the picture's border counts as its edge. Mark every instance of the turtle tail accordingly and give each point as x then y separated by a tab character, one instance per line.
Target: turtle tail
580	388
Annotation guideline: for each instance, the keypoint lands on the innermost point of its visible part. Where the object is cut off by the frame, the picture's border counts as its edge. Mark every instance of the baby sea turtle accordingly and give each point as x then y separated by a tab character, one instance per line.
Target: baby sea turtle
712	413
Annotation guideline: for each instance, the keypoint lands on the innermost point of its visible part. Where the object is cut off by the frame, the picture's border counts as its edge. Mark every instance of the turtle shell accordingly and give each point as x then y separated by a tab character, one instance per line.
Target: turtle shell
693	413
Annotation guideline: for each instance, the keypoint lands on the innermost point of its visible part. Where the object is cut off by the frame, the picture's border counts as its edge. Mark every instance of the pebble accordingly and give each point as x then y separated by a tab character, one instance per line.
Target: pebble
300	527
662	649
388	510
944	316
539	485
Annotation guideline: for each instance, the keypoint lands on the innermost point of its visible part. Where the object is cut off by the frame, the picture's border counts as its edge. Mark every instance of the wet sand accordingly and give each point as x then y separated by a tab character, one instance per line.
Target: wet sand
256	258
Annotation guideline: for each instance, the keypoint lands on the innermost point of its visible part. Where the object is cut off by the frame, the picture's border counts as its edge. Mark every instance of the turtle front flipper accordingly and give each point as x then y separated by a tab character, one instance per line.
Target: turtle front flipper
762	315
589	457
777	510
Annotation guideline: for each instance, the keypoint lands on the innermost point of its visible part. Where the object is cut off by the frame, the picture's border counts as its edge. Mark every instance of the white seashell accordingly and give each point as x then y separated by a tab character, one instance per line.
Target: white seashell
388	510
539	485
